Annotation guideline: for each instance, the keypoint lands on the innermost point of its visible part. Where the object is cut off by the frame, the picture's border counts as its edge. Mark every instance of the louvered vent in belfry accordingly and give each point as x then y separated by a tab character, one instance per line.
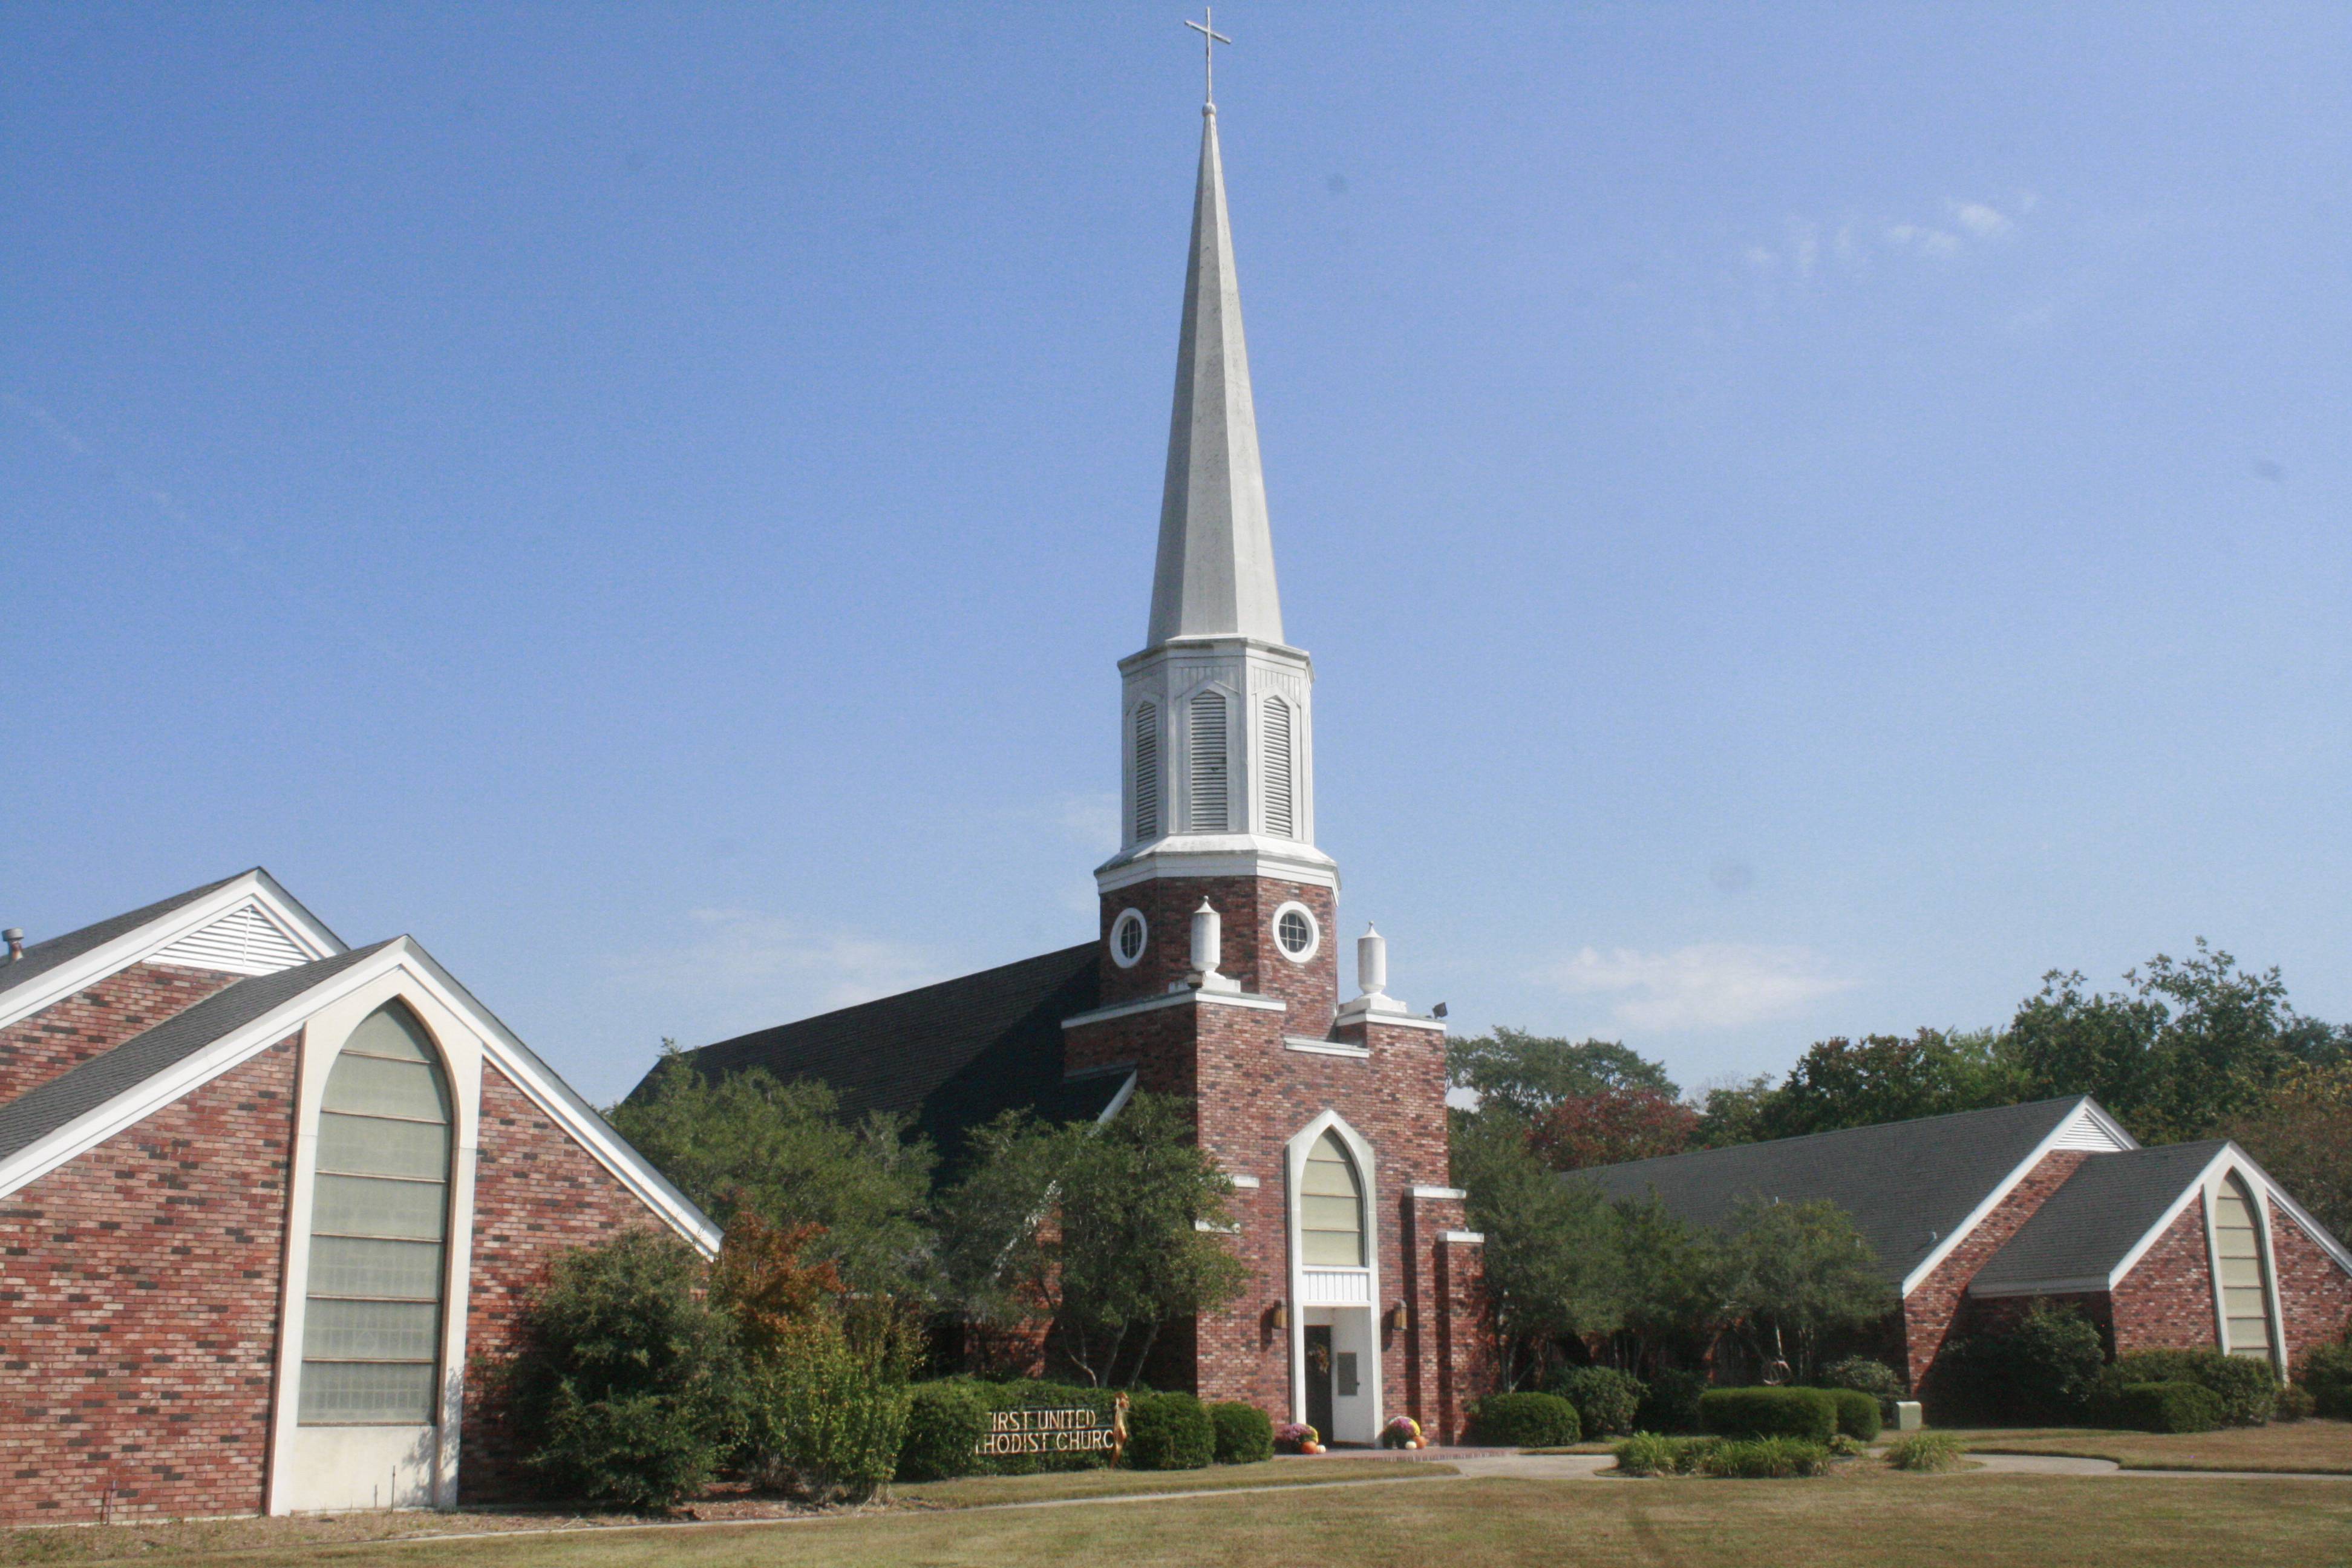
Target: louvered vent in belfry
1281	820
1207	813
1147	773
243	941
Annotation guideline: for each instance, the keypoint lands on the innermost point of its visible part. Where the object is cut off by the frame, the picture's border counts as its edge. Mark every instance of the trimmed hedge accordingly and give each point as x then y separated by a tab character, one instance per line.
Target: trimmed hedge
2247	1388
1525	1420
1865	1375
1857	1413
948	1420
1245	1432
2325	1372
1606	1400
1170	1432
1672	1403
2170	1407
2295	1404
1809	1415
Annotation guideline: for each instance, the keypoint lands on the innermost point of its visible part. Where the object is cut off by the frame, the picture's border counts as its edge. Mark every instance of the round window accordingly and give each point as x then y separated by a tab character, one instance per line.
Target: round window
1297	933
1128	936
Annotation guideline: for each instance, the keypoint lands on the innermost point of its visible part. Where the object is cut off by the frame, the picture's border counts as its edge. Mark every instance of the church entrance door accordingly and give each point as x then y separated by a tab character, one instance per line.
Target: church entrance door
1319	1379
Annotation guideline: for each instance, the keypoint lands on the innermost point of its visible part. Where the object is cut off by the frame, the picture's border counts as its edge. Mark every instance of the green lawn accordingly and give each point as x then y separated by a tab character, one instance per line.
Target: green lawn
2308	1445
1865	1518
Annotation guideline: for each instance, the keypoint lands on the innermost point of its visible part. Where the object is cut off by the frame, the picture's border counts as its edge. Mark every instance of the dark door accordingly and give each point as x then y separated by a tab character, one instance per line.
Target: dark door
1319	1379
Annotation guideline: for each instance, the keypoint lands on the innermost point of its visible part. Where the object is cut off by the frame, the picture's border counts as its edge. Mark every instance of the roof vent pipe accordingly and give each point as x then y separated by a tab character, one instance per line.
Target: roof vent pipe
16	939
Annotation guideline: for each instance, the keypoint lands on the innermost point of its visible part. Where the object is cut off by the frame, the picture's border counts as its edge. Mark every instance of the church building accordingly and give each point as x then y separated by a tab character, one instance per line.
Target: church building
1214	974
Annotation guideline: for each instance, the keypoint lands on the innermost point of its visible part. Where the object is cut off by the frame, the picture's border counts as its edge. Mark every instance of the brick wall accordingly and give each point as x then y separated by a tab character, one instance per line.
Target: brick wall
536	1192
2166	1303
1248	953
2314	1293
139	1289
96	1019
1930	1311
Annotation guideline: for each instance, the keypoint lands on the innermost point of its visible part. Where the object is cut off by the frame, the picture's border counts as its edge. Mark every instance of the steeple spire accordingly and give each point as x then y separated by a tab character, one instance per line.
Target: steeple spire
1215	571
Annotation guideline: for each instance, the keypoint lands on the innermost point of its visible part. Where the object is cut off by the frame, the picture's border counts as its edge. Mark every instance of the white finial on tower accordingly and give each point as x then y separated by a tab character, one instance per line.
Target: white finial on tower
1208	947
1210	39
1373	963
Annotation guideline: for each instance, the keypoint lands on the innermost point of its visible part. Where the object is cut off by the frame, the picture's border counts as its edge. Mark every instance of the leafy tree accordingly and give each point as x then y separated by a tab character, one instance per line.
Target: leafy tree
1105	1232
1795	1274
2301	1131
1610	1126
1553	1264
748	1144
1527	1074
1674	1292
1733	1112
1889	1077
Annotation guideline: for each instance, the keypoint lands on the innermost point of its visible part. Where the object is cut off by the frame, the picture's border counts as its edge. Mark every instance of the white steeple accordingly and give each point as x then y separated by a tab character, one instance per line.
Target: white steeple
1216	732
1215	574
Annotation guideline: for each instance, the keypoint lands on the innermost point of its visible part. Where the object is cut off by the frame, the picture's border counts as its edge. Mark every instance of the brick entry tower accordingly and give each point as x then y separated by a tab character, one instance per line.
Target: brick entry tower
1219	960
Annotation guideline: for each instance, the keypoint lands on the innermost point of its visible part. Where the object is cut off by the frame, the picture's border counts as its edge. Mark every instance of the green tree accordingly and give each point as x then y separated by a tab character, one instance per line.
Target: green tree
1107	1233
1889	1077
1674	1290
1528	1074
1794	1274
1553	1264
2301	1132
783	1150
1730	1113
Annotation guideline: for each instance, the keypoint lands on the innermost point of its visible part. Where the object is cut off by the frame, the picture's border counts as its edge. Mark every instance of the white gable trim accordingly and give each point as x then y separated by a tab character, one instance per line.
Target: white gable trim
2074	1131
538	1083
2230	1157
256	886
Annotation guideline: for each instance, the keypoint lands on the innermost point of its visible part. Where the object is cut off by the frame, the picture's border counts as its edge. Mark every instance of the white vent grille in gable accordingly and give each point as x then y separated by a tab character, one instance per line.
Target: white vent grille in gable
1147	773
245	941
1206	813
2083	1132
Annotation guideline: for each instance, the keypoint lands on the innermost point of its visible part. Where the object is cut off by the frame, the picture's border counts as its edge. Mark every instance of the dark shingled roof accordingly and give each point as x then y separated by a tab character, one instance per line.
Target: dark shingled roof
2101	1213
952	1055
40	957
1906	1184
33	1116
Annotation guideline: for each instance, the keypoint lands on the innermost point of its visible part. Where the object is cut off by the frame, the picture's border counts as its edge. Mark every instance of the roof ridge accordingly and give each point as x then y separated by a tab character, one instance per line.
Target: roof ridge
1841	1131
1062	952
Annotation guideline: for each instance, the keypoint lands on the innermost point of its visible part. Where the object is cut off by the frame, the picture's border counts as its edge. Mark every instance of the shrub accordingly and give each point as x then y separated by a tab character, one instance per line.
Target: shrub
1245	1432
1170	1432
2247	1388
2295	1404
945	1424
824	1422
1672	1403
1648	1453
1928	1451
2045	1369
1606	1400
2169	1408
1864	1375
629	1389
1857	1413
1808	1415
1764	1458
1846	1447
1525	1420
2326	1374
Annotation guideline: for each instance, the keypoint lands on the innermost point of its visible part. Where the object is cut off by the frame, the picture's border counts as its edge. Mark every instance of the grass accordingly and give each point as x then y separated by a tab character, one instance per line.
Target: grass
977	1492
1983	1521
2308	1446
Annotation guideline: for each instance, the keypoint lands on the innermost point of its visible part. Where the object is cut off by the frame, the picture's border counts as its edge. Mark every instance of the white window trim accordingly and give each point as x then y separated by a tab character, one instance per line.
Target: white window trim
1126	917
1313	926
2258	1199
1295	1172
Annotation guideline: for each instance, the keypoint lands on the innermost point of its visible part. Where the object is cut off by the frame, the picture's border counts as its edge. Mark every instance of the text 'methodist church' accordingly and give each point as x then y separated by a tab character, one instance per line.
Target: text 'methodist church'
1215	973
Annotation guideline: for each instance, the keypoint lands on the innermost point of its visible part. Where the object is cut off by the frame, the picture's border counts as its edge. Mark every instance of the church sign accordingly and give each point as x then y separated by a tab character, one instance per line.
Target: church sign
1076	1430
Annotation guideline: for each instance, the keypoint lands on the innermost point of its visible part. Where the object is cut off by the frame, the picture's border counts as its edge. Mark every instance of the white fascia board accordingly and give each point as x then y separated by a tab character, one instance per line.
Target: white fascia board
2320	1235
160	932
1392	1020
2007	1185
1176	999
1191	856
1326	1047
1440	1195
546	1088
1118	1100
2190	1192
521	1066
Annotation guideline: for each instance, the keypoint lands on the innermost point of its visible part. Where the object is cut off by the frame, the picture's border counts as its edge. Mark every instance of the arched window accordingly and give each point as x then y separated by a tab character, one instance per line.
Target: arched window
379	1220
1330	1207
2238	1243
1207	813
1147	772
1281	816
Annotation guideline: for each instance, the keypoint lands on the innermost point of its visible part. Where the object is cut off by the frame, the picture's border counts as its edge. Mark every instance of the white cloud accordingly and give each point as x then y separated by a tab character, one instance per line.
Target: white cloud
777	968
1980	220
1710	985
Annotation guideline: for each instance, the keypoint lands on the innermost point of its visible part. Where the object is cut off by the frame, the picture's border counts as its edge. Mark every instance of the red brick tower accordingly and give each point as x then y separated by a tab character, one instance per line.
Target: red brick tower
1220	975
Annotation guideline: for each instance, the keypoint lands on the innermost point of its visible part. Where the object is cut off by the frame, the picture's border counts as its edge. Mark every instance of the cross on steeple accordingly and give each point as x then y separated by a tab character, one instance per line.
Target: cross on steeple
1210	39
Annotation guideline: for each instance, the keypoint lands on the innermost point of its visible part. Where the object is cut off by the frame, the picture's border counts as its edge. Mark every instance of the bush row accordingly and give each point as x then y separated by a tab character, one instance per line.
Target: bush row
948	1421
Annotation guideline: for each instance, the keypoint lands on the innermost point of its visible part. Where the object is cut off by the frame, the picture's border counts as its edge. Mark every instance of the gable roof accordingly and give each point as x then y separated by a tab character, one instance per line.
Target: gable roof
952	1055
54	969
1911	1187
35	1114
2075	1239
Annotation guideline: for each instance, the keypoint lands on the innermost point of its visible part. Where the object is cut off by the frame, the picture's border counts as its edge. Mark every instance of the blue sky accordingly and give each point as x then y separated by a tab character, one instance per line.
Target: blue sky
1806	517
